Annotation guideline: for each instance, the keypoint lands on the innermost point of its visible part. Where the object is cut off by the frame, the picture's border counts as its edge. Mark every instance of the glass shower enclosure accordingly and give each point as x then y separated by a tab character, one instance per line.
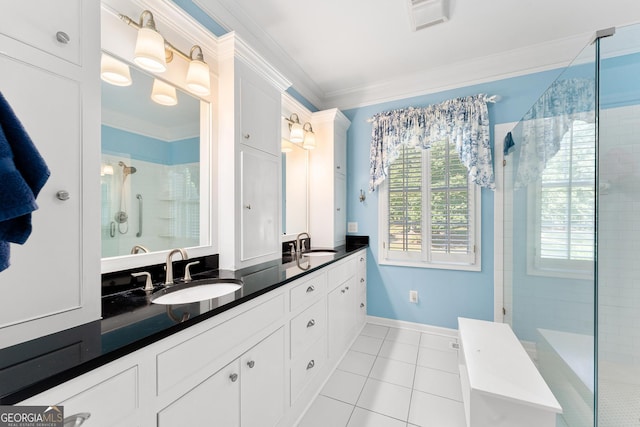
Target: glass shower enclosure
572	233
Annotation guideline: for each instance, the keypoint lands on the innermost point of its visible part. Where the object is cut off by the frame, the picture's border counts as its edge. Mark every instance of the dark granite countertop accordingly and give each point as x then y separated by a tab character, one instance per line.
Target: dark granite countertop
131	321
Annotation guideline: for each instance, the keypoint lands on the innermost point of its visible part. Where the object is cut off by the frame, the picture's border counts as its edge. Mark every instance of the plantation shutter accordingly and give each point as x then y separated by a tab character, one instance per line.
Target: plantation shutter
566	201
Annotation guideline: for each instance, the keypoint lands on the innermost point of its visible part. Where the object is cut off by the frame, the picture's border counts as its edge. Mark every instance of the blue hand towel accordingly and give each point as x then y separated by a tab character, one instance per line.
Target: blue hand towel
23	173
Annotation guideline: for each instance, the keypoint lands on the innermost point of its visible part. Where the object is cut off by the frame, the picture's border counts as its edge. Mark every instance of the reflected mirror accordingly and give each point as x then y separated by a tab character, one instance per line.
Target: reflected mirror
295	189
150	170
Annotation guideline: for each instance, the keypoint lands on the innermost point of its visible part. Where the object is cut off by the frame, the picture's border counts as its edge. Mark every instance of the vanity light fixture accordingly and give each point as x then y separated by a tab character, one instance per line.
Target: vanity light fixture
114	71
163	93
198	80
153	52
296	132
309	142
149	52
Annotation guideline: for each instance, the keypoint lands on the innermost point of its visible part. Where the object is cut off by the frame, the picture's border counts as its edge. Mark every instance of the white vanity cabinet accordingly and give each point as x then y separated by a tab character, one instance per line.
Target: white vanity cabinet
49	63
248	392
341	305
361	285
249	159
112	394
328	180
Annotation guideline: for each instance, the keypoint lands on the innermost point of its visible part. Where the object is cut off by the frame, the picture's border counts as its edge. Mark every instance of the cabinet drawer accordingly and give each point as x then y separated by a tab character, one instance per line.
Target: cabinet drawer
307	327
36	23
341	272
189	357
305	367
306	292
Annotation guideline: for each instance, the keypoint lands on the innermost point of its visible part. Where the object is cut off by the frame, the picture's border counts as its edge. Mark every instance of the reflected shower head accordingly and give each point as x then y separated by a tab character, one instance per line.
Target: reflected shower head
127	170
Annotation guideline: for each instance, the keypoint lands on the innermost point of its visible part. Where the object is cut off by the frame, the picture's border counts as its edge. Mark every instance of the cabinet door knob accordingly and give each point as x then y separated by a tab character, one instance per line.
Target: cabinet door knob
311	364
361	259
63	37
338	167
346	287
248	207
246	136
343	291
361	305
251	363
311	289
63	195
311	323
338	209
233	377
362	280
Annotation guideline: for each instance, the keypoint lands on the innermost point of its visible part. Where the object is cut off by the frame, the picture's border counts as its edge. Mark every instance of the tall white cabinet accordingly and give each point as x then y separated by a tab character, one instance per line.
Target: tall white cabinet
328	179
49	67
249	158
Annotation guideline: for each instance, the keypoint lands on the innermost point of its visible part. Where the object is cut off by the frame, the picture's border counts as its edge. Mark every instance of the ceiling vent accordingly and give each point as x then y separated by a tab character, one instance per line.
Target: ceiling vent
425	13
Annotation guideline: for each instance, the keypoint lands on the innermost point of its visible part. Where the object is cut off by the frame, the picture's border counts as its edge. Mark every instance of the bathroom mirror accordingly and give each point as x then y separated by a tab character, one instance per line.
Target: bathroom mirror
295	167
154	181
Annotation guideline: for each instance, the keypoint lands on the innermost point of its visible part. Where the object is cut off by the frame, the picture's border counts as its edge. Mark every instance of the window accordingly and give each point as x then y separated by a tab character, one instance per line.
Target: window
429	210
564	203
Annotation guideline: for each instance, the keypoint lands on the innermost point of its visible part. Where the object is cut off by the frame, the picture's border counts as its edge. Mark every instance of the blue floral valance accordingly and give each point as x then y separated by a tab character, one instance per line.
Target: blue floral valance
545	124
463	120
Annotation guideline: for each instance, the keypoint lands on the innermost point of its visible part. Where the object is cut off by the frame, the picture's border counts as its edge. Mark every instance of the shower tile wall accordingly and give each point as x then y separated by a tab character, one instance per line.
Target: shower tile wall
619	238
169	218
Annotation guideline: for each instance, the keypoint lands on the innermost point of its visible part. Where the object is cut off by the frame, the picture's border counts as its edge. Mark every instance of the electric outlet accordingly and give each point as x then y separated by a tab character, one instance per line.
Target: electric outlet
352	227
413	296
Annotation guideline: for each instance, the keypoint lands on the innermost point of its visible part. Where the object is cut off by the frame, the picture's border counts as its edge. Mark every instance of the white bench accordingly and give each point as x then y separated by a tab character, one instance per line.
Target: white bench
501	386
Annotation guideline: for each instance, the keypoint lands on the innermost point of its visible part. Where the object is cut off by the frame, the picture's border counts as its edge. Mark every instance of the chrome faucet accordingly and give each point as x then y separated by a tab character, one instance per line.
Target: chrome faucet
169	267
298	244
139	249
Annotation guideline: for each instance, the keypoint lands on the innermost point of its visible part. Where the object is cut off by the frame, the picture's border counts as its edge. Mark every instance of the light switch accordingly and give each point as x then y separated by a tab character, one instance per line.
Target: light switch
352	227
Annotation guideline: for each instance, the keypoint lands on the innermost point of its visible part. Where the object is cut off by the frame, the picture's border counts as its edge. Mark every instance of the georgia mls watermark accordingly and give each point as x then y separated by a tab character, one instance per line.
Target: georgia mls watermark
31	416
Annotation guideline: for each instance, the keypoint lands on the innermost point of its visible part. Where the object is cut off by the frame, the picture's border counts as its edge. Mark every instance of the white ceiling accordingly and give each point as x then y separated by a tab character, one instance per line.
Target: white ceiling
346	53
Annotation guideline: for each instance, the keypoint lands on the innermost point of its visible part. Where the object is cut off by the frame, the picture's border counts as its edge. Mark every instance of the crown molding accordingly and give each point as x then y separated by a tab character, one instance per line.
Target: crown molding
231	45
291	105
332	115
225	13
541	57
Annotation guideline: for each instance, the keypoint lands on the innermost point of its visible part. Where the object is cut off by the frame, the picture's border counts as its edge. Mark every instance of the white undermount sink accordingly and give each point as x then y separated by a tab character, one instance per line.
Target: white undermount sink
196	291
319	252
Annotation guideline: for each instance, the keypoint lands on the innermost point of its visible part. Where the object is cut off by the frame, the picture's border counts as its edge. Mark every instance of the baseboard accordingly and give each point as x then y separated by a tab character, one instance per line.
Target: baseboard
411	325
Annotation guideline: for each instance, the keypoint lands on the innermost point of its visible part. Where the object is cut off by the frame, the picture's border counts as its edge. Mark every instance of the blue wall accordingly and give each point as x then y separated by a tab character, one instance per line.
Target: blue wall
139	147
444	295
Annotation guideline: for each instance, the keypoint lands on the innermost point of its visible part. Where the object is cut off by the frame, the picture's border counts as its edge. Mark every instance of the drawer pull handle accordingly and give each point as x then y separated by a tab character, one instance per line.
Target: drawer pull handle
63	37
311	323
248	207
233	377
362	280
251	364
311	289
361	305
311	364
246	136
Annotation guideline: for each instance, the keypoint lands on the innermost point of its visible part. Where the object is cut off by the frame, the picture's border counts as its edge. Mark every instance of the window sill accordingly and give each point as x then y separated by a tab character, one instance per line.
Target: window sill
440	266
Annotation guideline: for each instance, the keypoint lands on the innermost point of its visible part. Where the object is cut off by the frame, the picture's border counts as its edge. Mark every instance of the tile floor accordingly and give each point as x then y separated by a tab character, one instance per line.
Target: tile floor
392	378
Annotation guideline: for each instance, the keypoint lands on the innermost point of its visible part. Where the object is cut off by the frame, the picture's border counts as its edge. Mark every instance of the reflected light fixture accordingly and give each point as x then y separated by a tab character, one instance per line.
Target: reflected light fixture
286	146
309	142
107	169
163	93
149	52
153	52
114	71
296	132
198	80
